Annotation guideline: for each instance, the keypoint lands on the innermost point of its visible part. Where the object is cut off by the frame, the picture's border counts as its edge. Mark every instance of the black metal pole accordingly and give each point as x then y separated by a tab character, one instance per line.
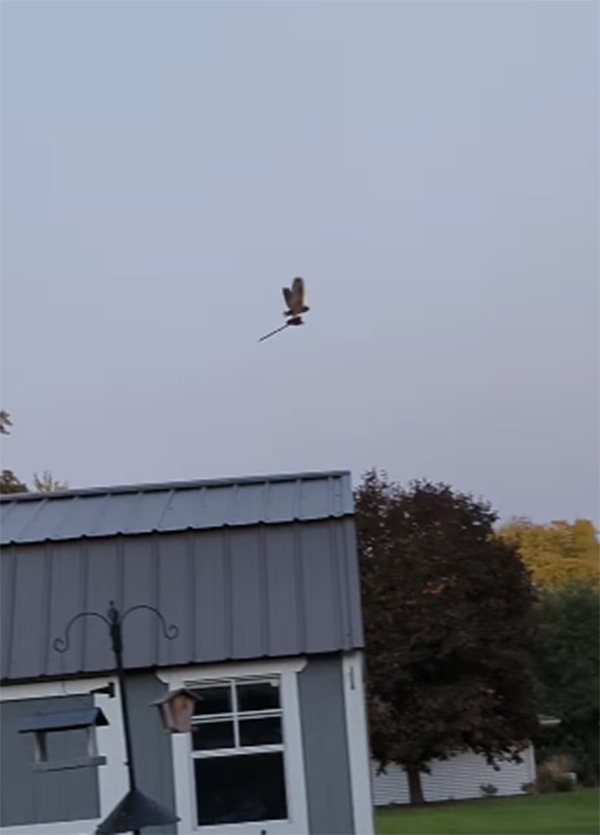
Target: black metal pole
116	638
135	810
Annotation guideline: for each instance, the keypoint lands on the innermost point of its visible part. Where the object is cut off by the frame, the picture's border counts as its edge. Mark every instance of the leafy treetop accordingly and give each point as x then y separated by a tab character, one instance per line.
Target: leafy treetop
448	614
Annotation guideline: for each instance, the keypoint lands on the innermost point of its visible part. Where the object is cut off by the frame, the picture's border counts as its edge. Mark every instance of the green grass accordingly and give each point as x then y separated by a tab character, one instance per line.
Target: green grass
569	813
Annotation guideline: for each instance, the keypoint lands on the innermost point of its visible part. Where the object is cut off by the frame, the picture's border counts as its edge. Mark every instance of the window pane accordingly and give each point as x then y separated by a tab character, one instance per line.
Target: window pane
212	700
213	735
260	731
258	696
239	789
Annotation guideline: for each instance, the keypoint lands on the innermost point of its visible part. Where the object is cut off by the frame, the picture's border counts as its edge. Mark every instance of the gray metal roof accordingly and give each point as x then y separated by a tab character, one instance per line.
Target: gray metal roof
63	720
161	508
245	569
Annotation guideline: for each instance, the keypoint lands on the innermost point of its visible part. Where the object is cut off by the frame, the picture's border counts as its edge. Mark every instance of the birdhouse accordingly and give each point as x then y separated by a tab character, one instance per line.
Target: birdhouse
176	710
41	725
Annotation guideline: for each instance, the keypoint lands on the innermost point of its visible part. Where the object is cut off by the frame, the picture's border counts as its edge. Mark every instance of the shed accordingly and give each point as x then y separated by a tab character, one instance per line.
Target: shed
260	575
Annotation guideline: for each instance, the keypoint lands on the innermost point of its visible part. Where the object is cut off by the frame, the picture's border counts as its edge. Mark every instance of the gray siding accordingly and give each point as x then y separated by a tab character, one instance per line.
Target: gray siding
326	760
27	796
234	593
151	747
165	508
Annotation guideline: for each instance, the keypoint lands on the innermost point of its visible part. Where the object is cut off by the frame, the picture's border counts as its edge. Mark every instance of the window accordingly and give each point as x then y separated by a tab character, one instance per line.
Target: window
238	751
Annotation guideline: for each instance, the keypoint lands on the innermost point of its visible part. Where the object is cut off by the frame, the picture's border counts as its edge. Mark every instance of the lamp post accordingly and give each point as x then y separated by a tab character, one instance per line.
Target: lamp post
135	810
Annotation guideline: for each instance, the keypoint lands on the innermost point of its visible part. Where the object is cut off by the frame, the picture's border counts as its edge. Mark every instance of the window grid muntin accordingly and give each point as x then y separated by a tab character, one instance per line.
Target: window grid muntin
235	715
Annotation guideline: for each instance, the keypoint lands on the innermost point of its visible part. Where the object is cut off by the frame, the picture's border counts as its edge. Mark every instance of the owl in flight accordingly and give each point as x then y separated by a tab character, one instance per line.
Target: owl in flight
294	299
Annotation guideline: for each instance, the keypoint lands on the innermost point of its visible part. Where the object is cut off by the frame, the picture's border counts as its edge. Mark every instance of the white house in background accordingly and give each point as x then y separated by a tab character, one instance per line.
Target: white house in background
458	778
261	577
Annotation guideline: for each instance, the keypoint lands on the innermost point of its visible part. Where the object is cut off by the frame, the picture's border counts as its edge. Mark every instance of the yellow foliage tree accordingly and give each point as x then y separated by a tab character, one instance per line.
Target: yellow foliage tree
557	553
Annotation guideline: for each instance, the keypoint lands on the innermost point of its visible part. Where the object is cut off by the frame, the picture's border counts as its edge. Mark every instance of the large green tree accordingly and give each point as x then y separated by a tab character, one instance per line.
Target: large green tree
448	617
567	672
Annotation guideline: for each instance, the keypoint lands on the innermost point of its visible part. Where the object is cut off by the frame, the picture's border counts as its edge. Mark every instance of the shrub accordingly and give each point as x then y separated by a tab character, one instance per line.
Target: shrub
555	774
564	783
488	789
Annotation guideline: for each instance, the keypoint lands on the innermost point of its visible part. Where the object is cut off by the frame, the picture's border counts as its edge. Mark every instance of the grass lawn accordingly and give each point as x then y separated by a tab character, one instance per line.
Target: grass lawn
572	813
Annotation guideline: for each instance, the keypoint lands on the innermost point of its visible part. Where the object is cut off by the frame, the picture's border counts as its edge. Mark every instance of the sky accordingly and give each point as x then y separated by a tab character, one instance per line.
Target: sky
430	168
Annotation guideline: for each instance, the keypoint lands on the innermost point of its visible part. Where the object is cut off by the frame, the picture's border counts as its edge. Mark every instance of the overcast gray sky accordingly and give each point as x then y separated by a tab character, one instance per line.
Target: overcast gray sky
431	169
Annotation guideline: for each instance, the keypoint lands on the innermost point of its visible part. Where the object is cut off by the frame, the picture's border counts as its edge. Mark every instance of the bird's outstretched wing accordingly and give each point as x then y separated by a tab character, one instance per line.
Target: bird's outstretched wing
298	295
294	298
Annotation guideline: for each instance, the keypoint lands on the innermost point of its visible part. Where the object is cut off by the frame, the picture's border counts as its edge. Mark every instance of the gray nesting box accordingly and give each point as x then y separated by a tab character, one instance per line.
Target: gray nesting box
42	724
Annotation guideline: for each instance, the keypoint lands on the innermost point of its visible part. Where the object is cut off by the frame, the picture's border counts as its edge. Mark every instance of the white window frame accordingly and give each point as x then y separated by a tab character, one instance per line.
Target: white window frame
183	755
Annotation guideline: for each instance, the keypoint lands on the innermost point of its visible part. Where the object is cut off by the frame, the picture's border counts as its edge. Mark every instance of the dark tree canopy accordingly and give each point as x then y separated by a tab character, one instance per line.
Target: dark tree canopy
5	422
448	616
9	483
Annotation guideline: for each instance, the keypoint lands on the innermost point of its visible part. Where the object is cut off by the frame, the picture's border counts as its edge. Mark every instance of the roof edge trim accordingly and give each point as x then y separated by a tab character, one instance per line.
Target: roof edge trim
152	487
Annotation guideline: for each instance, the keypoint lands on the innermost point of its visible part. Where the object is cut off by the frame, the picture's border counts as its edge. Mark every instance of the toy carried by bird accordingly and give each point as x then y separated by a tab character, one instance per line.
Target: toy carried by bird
294	298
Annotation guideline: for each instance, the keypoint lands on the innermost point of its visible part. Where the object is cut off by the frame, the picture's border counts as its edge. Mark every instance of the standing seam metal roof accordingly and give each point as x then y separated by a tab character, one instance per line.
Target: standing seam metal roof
248	568
162	508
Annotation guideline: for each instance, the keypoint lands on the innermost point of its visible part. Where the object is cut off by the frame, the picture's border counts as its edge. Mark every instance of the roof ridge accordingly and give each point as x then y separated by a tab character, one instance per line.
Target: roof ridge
158	486
175	506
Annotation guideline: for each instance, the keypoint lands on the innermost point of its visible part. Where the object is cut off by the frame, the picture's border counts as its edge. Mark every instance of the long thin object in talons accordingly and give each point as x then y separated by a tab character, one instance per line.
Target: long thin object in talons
283	327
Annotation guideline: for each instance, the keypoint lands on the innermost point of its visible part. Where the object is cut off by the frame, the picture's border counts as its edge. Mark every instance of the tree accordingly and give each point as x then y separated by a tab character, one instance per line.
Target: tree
46	483
566	666
448	616
5	422
557	553
9	483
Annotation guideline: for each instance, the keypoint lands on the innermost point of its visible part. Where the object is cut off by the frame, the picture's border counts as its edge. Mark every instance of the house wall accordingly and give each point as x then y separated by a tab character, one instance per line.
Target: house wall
31	797
151	746
458	778
234	594
320	690
327	760
329	776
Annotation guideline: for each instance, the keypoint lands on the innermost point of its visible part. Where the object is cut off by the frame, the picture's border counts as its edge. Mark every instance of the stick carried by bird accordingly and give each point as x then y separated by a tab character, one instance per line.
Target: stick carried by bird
294	298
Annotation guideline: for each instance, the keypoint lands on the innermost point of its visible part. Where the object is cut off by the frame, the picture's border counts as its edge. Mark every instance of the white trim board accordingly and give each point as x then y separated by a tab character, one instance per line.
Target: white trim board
358	743
59	828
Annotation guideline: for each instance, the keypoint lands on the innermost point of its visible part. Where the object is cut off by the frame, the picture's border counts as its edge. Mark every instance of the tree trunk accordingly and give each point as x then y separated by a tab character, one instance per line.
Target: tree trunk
414	785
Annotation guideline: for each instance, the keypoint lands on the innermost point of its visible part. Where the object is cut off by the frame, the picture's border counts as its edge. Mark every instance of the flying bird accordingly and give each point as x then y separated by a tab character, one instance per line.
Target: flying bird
294	298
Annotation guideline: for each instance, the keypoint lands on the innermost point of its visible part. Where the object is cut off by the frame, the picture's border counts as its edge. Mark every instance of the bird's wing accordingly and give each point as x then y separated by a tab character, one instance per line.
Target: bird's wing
266	336
298	292
288	296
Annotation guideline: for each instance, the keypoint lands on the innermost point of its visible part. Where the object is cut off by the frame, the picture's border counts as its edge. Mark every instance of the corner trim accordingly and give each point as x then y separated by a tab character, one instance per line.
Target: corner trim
358	743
